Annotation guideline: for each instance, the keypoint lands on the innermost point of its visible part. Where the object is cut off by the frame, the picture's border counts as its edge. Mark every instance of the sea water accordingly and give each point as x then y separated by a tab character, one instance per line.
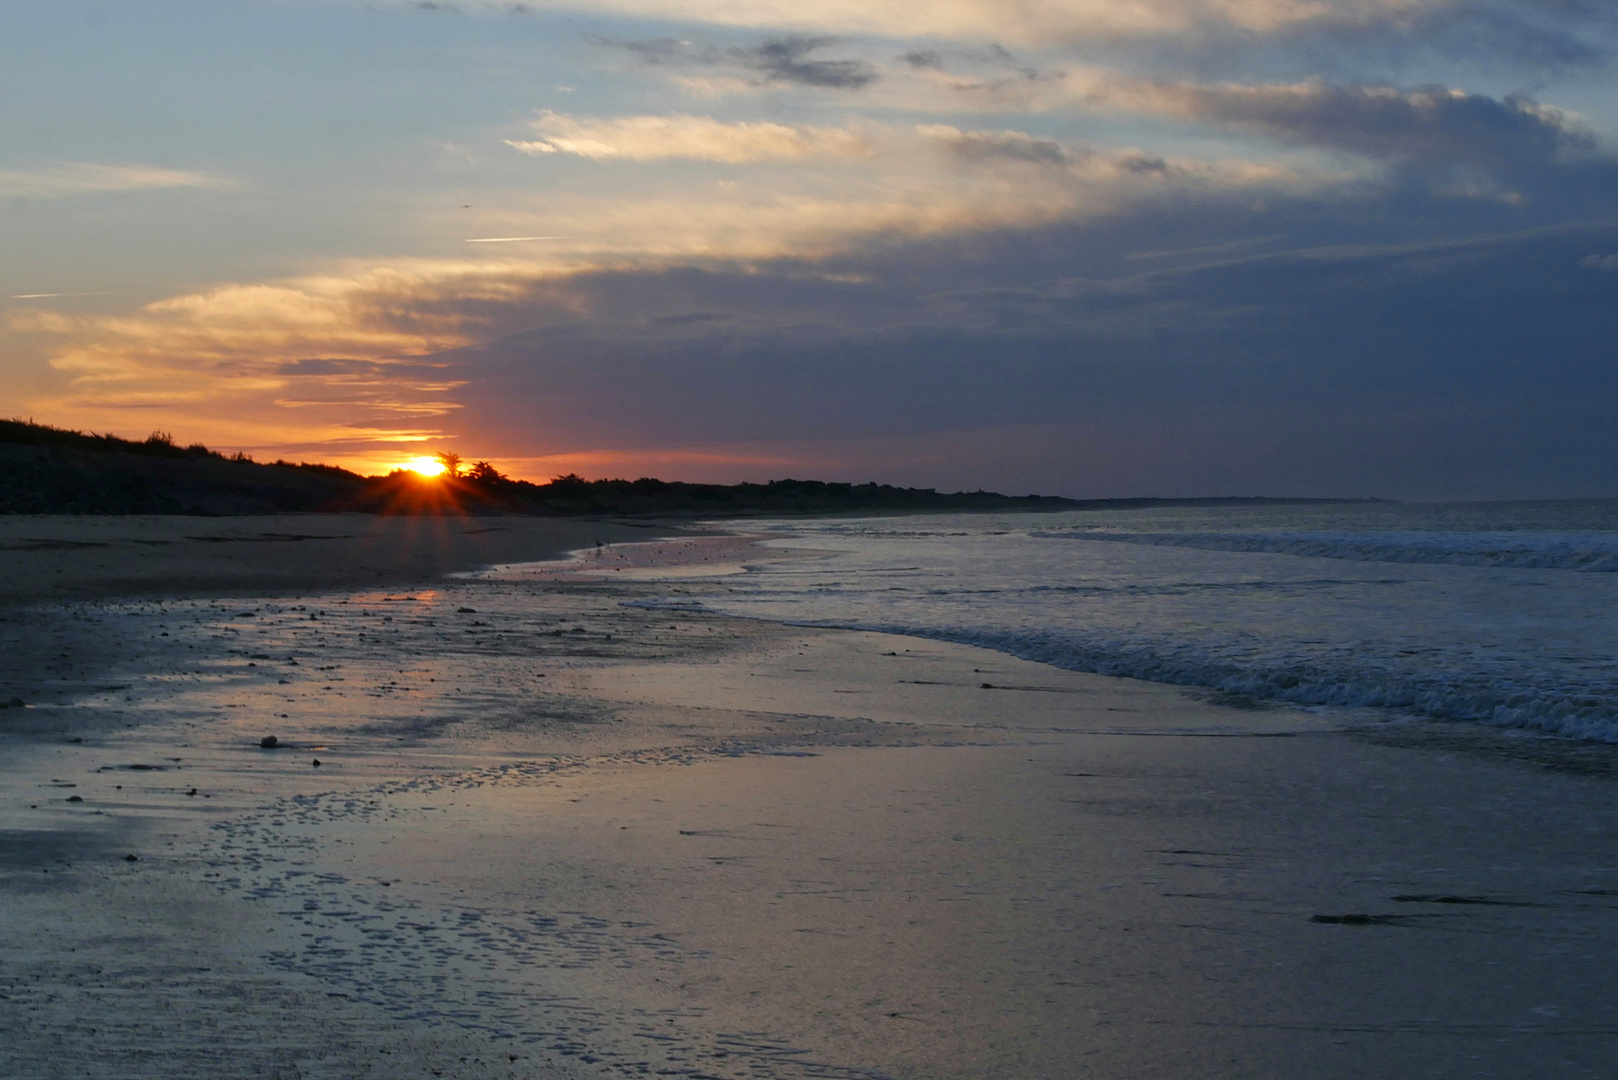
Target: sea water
1504	613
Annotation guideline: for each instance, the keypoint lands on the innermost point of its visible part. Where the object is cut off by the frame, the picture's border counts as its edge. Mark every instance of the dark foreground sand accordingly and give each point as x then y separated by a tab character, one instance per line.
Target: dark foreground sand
557	832
53	557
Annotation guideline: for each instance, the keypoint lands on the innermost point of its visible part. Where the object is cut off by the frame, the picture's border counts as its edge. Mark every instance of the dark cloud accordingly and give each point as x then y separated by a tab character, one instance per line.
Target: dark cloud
1144	163
666	50
1010	146
1430	124
689	318
924	58
1464	143
776	60
1364	338
1531	40
1543	35
788	60
998	56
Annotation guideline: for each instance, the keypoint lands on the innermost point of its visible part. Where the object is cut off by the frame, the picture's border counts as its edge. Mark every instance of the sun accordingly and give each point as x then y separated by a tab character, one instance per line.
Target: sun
425	466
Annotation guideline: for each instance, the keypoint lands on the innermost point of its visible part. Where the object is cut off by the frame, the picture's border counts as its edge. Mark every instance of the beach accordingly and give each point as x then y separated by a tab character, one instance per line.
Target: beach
574	821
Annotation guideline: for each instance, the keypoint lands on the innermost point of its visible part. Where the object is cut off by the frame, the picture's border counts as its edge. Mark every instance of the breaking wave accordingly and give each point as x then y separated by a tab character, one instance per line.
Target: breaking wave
1585	552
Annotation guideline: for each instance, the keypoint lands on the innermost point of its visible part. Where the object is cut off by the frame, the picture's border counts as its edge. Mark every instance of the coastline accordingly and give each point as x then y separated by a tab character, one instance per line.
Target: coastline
64	557
556	835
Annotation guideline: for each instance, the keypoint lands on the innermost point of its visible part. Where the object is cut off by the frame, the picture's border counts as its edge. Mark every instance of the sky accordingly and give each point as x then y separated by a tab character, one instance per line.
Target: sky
1081	247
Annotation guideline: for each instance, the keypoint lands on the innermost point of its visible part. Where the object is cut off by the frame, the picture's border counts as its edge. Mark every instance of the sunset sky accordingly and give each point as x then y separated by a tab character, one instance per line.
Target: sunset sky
1092	248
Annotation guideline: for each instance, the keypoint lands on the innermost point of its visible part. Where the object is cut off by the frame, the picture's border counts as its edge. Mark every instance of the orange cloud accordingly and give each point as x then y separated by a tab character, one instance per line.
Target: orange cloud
344	364
1021	22
64	179
700	138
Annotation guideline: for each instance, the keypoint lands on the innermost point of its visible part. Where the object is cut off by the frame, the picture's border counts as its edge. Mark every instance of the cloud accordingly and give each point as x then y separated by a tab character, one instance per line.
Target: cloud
1001	145
776	61
323	359
1537	32
1011	20
1227	370
347	354
1539	35
787	60
1041	355
698	138
64	179
1091	172
1231	35
1428	124
1465	145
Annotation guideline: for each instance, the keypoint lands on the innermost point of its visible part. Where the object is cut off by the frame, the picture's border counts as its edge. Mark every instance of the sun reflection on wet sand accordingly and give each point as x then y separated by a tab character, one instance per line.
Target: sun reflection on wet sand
567	814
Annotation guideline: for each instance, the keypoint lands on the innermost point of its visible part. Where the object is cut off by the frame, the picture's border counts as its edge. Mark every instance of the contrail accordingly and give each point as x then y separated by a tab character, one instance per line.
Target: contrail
52	295
512	239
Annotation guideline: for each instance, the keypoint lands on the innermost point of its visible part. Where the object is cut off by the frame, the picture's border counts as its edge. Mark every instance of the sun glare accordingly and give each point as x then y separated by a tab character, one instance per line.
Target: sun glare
425	466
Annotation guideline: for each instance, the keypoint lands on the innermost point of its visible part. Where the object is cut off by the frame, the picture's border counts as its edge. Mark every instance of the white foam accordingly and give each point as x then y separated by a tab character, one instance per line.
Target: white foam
1456	632
1585	552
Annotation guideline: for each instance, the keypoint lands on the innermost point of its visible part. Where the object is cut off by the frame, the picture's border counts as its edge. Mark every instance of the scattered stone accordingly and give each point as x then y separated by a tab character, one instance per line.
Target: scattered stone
192	792
269	742
131	858
317	763
466	611
75	739
15	703
75	798
987	686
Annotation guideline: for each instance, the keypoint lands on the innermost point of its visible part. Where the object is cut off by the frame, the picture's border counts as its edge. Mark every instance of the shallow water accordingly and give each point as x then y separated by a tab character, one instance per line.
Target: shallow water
559	829
1501	613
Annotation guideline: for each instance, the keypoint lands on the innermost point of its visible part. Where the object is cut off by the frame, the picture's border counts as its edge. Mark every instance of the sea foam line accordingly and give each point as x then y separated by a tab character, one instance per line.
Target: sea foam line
1584	552
1501	703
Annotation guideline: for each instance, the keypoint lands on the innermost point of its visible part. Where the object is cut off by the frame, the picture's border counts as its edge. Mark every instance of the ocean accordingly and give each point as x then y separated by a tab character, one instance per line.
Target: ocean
1499	613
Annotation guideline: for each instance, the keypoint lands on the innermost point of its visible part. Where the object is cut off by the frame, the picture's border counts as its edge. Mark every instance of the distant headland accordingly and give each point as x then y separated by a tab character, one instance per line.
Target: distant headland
51	470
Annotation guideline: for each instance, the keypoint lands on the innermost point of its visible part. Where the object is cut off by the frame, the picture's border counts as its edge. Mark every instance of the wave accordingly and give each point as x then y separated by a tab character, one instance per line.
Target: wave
1500	701
1503	703
1583	552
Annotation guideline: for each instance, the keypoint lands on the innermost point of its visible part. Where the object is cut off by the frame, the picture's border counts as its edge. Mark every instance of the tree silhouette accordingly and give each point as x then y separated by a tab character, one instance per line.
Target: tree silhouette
484	473
451	462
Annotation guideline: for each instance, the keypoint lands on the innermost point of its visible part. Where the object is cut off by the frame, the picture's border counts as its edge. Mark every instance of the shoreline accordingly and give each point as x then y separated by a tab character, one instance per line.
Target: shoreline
555	835
90	557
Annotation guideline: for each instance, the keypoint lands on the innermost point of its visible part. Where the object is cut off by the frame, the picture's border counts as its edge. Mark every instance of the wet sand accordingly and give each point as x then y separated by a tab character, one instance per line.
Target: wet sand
49	557
562	827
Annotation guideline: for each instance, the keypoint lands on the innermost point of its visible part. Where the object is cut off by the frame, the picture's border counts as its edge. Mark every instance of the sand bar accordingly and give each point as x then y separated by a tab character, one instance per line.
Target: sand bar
558	830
